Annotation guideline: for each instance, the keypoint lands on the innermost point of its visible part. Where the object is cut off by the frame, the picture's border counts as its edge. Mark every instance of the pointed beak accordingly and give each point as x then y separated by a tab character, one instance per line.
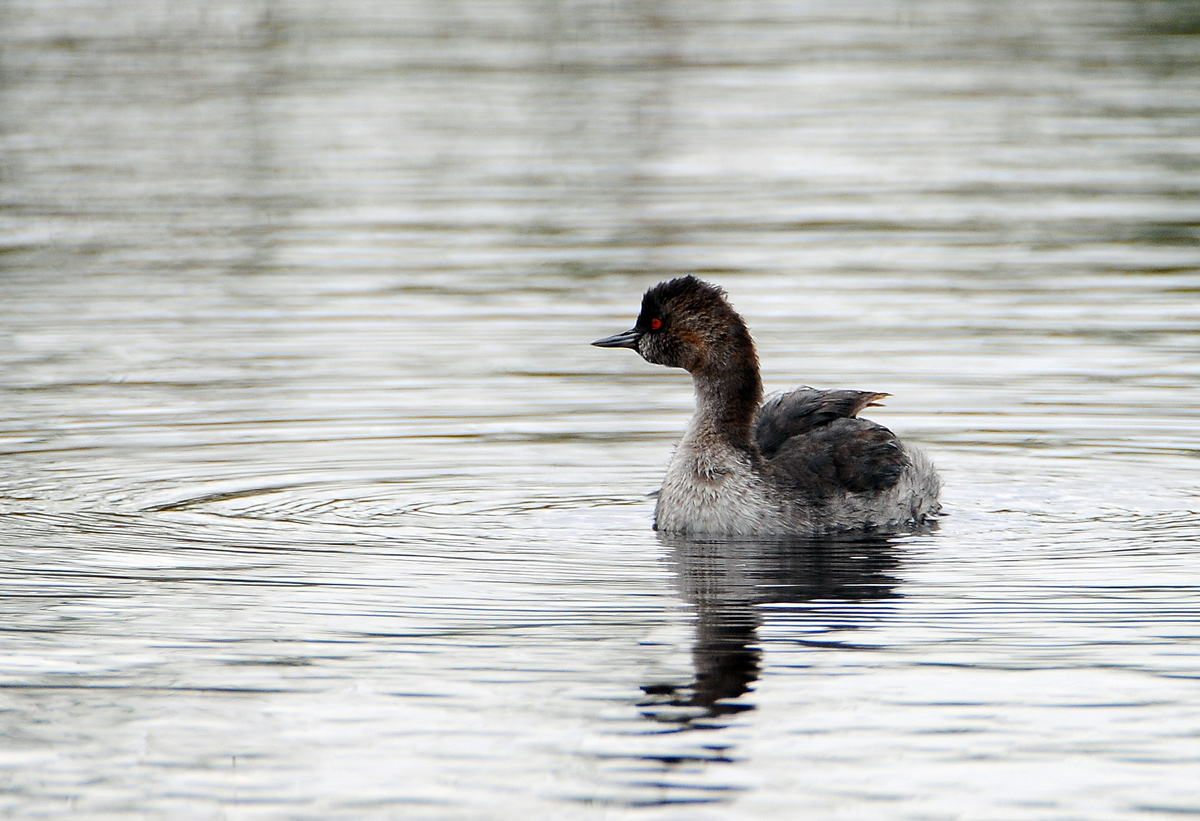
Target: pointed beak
627	339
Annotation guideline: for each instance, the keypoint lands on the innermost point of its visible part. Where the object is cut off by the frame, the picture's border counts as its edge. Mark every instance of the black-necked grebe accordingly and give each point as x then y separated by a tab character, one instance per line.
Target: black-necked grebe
799	464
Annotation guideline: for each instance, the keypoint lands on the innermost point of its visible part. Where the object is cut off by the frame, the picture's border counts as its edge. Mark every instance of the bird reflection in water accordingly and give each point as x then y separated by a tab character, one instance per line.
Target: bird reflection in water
728	581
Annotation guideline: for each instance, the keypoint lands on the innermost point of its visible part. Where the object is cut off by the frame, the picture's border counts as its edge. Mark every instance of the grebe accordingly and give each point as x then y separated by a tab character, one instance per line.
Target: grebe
801	463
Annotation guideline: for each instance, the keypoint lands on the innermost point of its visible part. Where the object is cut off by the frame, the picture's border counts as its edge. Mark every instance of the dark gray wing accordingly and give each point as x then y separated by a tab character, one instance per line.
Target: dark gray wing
800	411
846	454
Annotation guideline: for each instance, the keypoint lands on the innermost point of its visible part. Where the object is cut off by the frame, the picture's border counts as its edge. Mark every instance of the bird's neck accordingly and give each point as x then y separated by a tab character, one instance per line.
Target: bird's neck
728	393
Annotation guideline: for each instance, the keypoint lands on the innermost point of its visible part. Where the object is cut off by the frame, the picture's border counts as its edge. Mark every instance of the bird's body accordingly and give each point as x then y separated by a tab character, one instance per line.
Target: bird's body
801	463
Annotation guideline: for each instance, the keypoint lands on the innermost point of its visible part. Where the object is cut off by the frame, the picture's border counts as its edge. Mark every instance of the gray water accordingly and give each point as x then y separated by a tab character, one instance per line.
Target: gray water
317	503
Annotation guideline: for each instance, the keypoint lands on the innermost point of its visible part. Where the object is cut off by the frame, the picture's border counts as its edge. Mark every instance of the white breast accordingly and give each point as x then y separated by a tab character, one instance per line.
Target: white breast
711	488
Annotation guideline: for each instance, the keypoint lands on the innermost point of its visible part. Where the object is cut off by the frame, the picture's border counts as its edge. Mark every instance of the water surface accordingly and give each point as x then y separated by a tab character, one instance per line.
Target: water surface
317	504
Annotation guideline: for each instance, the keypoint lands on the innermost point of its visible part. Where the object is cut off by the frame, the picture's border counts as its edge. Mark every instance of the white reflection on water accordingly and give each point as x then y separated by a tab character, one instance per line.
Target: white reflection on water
316	502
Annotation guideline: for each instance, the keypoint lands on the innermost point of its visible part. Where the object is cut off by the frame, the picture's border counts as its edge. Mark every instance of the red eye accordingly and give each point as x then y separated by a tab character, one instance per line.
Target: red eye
656	323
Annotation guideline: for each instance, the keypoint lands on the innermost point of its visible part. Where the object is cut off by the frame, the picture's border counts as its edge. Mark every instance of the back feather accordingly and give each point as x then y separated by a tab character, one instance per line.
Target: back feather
791	414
